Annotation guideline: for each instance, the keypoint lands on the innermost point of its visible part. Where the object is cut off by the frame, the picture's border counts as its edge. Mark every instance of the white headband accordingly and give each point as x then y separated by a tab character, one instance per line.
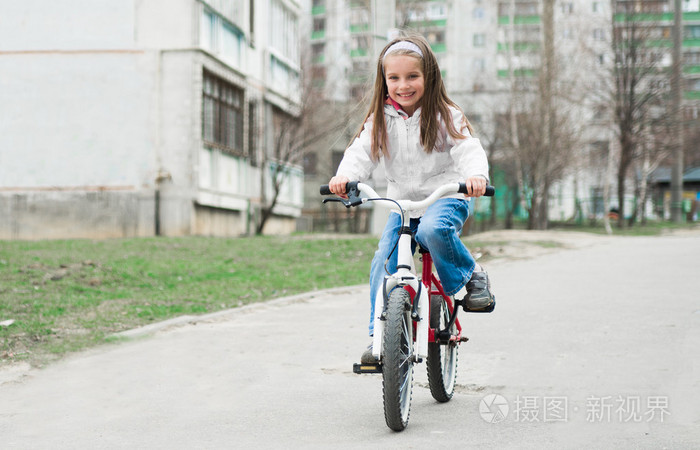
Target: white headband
403	45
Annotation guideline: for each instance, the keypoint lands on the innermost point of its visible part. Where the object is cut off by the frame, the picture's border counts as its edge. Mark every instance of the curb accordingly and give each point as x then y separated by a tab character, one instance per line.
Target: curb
193	320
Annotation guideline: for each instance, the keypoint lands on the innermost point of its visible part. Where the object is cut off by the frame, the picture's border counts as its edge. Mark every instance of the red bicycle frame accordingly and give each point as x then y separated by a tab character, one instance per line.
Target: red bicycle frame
431	280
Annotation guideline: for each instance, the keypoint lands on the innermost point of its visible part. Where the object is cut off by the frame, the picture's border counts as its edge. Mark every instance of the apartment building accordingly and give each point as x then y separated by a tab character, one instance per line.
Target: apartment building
502	49
490	53
141	118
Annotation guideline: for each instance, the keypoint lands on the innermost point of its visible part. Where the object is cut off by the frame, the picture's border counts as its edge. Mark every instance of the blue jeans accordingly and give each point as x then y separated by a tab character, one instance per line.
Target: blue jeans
438	231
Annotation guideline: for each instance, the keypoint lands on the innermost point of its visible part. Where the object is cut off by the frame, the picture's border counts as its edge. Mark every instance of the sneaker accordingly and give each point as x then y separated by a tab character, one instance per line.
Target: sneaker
479	294
367	357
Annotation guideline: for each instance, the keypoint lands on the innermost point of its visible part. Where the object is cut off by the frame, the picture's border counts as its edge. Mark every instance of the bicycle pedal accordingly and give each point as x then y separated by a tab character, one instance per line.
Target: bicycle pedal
367	368
488	309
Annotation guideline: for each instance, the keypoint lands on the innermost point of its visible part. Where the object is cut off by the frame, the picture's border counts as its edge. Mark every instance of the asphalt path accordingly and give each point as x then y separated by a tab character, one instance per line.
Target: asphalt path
592	347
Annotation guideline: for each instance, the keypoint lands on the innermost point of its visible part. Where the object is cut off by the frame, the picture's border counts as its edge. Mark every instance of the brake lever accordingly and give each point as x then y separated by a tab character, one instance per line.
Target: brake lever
337	199
348	202
353	199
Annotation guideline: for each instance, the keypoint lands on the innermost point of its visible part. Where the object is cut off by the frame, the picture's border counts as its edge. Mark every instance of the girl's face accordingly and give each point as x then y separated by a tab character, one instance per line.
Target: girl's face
405	81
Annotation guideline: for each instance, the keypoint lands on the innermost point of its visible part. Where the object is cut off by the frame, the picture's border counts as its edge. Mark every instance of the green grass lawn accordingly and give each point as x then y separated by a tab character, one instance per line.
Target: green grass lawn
67	295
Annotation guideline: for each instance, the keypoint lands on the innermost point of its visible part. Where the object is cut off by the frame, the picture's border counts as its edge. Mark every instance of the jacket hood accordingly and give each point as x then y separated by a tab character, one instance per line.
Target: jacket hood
389	110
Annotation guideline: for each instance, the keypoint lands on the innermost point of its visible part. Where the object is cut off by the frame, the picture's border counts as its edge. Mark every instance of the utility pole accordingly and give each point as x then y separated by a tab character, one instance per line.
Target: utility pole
677	89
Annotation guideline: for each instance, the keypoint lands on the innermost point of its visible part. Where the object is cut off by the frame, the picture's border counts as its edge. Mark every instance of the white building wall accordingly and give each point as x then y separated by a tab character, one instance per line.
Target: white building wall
102	108
77	119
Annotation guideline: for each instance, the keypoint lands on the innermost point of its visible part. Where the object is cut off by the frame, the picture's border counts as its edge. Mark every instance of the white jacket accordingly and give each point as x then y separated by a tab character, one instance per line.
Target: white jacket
413	174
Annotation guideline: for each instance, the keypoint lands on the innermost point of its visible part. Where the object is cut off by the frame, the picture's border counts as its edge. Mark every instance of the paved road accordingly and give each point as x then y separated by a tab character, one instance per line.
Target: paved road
594	347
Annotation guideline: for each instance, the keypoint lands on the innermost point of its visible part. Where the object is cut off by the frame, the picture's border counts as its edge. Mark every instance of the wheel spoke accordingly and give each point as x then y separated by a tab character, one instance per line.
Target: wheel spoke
442	359
406	359
403	385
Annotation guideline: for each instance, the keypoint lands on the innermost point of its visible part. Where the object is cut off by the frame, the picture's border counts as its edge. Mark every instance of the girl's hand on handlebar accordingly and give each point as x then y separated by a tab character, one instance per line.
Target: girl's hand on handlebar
338	184
476	186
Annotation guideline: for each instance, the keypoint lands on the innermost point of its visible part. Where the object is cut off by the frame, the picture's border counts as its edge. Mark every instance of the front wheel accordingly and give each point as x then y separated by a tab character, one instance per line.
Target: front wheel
397	360
442	358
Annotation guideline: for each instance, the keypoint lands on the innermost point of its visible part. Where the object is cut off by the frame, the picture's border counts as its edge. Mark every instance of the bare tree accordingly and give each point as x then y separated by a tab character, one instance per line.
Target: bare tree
539	134
292	136
409	13
636	74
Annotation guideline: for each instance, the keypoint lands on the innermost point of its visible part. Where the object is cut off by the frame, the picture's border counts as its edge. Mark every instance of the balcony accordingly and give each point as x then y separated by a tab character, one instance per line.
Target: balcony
359	28
439	47
520	20
527	73
655	17
520	46
358	52
428	23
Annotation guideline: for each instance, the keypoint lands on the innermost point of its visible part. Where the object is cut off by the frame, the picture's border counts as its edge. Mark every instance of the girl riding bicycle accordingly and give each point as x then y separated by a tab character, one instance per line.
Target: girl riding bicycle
425	141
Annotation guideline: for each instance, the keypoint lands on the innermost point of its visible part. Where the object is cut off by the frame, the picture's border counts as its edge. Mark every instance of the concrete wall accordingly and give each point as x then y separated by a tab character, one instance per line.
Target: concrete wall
101	114
55	214
77	119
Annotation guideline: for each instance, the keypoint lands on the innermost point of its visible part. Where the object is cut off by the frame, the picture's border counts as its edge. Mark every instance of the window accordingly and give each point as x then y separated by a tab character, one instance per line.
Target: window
692	31
437	11
567	8
284	31
318	53
691	112
221	38
222	114
359	16
310	163
318	74
435	37
232	42
357	42
691	5
283	78
522	8
319	24
478	13
692	85
479	40
284	128
646	6
599	34
692	58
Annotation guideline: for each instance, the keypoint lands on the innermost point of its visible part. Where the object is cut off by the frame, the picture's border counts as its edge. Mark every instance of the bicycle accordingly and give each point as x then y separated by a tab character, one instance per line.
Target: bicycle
414	318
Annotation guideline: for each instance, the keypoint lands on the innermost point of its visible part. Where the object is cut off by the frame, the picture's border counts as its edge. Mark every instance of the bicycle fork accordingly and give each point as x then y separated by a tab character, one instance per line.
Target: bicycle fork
404	278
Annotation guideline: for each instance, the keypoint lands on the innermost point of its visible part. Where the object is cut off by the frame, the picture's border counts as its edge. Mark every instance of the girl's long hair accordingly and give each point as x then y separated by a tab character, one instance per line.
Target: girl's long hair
434	104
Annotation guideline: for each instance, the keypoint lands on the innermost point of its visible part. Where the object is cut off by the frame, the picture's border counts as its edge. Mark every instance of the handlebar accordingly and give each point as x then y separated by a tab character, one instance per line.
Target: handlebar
353	189
490	190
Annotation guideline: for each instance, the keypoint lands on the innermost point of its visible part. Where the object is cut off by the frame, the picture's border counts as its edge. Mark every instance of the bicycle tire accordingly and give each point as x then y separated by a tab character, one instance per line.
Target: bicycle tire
397	360
442	358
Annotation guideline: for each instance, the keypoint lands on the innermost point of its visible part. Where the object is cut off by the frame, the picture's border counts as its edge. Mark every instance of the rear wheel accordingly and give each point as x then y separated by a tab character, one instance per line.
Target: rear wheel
397	360
442	358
